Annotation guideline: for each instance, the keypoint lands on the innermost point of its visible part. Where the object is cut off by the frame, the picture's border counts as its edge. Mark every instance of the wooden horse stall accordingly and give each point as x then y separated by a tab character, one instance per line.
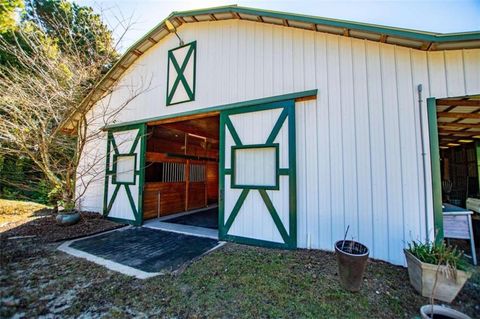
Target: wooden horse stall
181	171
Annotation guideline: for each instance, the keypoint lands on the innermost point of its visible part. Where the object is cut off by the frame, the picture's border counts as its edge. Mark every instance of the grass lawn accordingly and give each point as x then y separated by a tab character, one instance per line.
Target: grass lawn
233	281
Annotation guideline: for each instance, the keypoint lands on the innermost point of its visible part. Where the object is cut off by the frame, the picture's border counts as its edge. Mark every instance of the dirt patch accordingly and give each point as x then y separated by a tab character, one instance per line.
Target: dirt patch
234	281
36	280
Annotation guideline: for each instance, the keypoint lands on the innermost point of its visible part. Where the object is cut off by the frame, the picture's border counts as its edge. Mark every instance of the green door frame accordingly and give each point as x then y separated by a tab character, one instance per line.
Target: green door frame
288	113
139	175
435	167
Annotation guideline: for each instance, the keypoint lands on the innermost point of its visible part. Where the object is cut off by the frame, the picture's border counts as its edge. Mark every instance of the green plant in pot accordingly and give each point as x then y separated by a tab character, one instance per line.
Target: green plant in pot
68	215
439	272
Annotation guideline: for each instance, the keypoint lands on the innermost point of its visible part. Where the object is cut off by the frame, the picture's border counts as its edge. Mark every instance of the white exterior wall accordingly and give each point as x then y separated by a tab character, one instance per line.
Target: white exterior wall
359	156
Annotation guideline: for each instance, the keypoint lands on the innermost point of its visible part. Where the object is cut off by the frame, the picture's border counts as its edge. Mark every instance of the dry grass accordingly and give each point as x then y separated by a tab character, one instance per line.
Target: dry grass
12	211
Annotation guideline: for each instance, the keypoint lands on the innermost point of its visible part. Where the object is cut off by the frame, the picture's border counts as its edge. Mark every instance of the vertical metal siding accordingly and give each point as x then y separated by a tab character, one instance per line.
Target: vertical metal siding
359	156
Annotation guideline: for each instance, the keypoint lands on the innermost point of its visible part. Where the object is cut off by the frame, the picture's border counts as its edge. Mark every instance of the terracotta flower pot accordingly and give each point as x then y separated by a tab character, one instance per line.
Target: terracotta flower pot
68	218
422	278
352	260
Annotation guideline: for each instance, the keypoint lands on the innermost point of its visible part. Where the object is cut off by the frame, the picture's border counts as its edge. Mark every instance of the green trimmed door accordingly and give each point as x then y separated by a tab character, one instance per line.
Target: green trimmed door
257	175
181	74
124	176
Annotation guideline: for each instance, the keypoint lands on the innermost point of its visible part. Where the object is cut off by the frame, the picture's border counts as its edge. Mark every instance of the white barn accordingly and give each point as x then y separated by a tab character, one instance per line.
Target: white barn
297	126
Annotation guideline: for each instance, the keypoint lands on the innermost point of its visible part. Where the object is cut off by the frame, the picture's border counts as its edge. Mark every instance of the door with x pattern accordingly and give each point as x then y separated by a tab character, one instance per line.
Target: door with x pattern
181	70
124	176
258	175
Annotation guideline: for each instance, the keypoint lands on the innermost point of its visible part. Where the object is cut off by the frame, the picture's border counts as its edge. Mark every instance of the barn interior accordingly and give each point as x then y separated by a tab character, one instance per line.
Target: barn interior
458	121
181	172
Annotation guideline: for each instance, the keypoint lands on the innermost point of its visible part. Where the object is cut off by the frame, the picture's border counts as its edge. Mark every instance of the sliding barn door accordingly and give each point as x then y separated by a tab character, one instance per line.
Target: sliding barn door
124	176
257	175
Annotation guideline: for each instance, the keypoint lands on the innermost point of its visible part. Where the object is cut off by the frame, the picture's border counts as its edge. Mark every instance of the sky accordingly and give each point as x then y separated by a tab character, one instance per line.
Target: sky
427	15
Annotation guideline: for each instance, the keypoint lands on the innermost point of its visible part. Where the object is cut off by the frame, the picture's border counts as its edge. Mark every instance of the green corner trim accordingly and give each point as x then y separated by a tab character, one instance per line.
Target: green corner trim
435	166
192	51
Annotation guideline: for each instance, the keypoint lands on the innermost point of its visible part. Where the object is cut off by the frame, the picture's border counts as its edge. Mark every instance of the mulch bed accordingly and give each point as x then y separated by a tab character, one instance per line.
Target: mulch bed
46	229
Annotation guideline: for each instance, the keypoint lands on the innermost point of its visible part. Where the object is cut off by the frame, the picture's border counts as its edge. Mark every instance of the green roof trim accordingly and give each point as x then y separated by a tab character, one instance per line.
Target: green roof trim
406	33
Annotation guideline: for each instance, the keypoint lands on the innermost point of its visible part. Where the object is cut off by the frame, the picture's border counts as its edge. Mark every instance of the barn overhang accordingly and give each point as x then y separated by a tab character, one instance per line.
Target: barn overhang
420	40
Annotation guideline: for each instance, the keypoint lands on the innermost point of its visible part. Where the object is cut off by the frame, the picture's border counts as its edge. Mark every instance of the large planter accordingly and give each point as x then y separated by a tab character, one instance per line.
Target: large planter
352	260
441	312
68	218
422	278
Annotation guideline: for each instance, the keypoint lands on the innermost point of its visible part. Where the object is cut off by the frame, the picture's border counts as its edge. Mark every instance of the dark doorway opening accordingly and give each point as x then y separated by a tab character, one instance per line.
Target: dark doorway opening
181	173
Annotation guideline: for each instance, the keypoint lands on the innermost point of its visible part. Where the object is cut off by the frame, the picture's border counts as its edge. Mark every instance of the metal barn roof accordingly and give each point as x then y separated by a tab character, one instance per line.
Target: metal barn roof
420	40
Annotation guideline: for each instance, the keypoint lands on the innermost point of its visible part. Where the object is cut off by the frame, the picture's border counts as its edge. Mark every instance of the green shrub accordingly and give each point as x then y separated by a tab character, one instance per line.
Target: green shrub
433	253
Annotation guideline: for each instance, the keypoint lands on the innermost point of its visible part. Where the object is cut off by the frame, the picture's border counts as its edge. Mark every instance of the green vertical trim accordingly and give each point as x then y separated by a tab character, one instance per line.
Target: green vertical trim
292	180
180	73
233	131
278	126
435	166
107	174
275	217
235	210
141	178
221	179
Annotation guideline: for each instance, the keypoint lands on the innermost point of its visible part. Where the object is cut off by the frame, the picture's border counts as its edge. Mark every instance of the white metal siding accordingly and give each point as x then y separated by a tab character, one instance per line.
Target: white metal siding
359	156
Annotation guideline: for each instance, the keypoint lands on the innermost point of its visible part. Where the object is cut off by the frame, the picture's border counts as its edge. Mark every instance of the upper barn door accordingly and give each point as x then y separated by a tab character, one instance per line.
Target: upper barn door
257	175
125	174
